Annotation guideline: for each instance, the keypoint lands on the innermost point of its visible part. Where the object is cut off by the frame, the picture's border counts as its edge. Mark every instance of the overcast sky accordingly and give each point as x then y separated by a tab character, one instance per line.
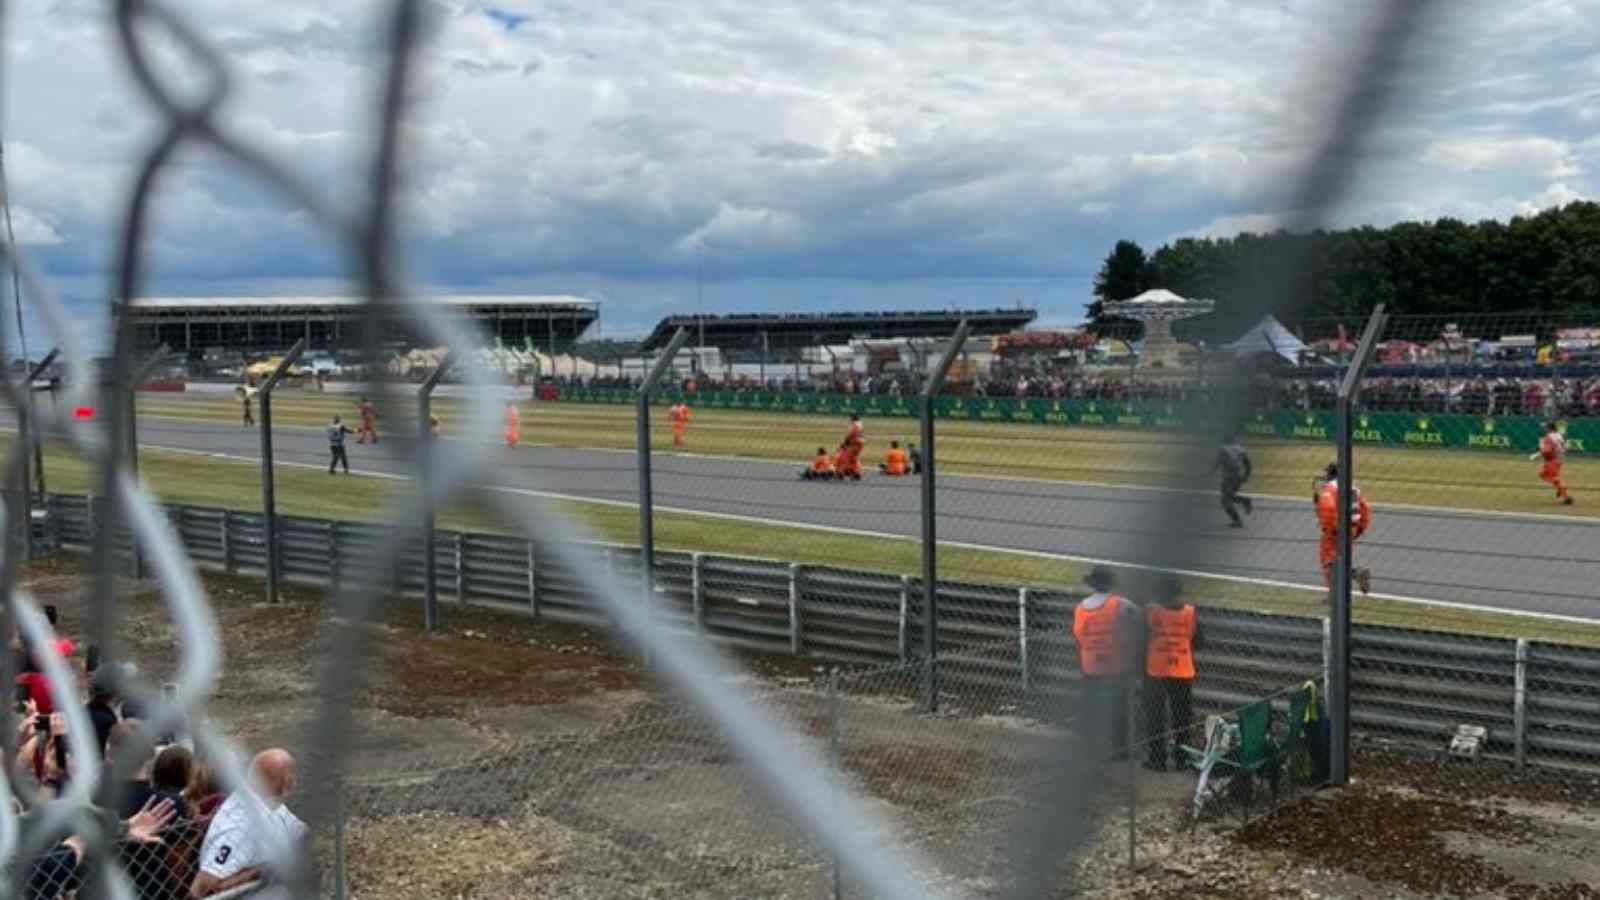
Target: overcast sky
803	154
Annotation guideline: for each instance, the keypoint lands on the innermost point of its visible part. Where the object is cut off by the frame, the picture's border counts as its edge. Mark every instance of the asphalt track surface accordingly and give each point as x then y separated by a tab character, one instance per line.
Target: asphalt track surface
1528	563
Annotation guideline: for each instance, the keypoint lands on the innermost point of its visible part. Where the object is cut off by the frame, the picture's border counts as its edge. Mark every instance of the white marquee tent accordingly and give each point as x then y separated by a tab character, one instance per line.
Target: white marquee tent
1269	336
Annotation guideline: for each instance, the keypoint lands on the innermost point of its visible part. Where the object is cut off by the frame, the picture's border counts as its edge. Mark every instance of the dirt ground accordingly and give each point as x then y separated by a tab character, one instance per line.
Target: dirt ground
501	757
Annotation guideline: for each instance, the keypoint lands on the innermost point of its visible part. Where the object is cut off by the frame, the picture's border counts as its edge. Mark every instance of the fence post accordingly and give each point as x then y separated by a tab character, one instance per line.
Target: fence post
1520	710
430	561
904	640
461	568
30	453
1022	639
533	581
338	840
838	768
37	441
930	542
797	641
269	499
333	555
697	592
647	536
52	504
228	563
1339	663
1327	650
1130	713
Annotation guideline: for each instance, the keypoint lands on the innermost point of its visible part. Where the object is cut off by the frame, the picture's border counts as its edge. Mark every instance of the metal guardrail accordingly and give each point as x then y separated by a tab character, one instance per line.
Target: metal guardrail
1540	701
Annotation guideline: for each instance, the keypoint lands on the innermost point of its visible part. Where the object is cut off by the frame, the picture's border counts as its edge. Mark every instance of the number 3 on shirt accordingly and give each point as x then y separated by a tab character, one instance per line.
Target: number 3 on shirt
223	853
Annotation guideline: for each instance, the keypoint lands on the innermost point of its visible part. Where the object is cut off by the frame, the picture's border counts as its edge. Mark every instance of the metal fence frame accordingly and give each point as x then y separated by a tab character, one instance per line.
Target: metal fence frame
1539	699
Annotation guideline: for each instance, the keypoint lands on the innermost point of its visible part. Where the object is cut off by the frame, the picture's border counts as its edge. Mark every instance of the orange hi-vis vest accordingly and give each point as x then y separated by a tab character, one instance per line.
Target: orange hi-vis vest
894	462
1170	653
1099	650
1328	511
822	464
1553	447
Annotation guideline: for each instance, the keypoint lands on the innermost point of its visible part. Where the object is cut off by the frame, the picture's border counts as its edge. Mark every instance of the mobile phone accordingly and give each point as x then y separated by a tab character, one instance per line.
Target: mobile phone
41	724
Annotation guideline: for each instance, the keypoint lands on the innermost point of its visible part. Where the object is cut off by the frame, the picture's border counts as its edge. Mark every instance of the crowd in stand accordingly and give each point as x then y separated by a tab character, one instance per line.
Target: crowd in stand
1472	395
179	834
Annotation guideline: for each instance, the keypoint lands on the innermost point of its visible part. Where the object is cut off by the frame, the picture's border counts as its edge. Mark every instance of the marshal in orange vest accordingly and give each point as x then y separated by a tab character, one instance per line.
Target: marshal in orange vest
1100	651
1170	652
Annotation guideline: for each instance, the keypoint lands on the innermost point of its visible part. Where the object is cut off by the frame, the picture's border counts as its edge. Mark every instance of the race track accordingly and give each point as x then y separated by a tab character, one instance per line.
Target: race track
1538	564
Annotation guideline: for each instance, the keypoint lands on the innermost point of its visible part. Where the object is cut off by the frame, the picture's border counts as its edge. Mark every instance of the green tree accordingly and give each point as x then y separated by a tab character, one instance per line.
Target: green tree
1548	263
1125	273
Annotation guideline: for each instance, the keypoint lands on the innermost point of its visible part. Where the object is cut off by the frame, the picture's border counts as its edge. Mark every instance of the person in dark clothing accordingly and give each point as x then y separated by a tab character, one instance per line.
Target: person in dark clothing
916	458
1174	634
336	433
1234	464
102	708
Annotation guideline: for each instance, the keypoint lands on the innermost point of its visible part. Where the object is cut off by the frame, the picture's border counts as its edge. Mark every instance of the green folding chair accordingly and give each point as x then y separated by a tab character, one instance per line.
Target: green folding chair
1234	771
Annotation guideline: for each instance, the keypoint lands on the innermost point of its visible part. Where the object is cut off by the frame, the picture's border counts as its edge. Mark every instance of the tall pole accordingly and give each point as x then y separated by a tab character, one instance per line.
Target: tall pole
132	412
1339	613
930	537
647	535
38	445
699	297
269	500
25	433
427	448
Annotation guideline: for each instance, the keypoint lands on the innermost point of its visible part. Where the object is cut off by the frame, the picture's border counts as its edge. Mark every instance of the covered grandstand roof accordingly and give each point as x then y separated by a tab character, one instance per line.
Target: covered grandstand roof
273	324
243	303
743	330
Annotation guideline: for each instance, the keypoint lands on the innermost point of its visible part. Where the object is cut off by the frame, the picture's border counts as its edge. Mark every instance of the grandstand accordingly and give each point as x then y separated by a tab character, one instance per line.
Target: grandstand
744	336
193	325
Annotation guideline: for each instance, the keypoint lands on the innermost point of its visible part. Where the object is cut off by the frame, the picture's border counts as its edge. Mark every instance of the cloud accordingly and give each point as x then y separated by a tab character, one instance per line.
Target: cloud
1525	154
907	144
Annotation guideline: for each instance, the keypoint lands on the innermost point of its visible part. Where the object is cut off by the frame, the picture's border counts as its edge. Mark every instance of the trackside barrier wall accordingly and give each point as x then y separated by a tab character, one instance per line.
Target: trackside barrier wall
1504	433
1539	701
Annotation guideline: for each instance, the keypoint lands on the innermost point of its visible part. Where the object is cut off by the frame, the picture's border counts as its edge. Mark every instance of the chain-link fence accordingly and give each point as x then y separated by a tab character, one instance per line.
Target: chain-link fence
1044	666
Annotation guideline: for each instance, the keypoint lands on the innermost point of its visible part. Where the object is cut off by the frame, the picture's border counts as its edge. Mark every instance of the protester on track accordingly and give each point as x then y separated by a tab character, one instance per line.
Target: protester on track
678	414
1553	450
895	462
1327	504
821	468
513	425
369	423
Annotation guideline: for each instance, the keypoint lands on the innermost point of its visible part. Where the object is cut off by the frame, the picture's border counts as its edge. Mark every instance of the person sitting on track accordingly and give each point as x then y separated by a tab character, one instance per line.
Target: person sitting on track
895	461
821	468
847	462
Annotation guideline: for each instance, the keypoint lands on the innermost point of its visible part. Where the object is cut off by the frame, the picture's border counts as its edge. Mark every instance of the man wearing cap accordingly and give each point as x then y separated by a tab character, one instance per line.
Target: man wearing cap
1106	627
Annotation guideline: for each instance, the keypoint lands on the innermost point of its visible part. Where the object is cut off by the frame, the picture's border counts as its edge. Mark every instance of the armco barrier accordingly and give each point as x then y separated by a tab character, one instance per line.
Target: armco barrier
1505	433
1539	701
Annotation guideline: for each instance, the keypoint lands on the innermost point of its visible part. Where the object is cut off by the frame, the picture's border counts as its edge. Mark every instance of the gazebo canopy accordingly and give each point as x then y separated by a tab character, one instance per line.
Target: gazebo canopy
1269	336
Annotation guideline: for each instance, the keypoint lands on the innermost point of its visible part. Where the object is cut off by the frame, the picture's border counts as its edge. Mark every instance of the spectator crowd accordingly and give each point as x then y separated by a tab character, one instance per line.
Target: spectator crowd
1480	395
178	832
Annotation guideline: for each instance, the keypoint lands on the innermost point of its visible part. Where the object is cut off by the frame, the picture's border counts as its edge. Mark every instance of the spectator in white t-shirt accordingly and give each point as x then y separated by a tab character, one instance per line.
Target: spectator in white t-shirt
253	832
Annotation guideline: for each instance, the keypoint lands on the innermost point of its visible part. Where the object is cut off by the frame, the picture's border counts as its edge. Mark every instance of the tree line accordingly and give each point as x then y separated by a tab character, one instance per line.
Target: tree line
1546	263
